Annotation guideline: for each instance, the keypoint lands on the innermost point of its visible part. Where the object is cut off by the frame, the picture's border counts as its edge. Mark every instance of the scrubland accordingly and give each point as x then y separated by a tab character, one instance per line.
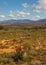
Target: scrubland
22	45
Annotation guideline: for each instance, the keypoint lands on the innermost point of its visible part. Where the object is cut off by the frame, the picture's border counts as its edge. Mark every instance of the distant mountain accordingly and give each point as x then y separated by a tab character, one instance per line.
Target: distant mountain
42	20
24	21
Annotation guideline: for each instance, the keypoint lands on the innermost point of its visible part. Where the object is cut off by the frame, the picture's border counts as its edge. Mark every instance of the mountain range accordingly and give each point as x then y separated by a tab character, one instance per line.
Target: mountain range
23	21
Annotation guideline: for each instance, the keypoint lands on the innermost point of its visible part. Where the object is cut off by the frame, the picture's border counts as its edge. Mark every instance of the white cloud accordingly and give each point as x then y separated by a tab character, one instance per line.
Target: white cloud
38	9
41	6
2	16
18	14
23	14
11	14
37	17
25	5
42	3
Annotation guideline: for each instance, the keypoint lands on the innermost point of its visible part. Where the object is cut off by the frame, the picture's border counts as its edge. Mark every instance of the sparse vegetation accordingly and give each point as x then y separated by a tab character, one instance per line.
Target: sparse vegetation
23	45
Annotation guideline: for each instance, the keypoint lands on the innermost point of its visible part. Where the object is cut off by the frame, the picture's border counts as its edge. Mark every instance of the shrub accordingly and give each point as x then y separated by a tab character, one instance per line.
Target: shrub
1	27
18	54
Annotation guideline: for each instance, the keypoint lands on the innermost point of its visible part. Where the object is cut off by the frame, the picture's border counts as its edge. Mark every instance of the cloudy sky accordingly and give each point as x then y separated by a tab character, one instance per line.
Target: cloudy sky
22	9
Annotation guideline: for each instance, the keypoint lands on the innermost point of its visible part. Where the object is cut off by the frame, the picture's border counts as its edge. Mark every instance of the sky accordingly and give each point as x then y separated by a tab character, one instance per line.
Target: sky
22	9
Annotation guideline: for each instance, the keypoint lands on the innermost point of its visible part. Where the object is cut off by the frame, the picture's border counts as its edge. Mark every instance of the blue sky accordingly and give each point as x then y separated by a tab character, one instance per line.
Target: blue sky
22	9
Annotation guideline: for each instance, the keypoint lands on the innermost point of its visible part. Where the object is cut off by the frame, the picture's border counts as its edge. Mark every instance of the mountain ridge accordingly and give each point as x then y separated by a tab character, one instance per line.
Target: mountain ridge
23	21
